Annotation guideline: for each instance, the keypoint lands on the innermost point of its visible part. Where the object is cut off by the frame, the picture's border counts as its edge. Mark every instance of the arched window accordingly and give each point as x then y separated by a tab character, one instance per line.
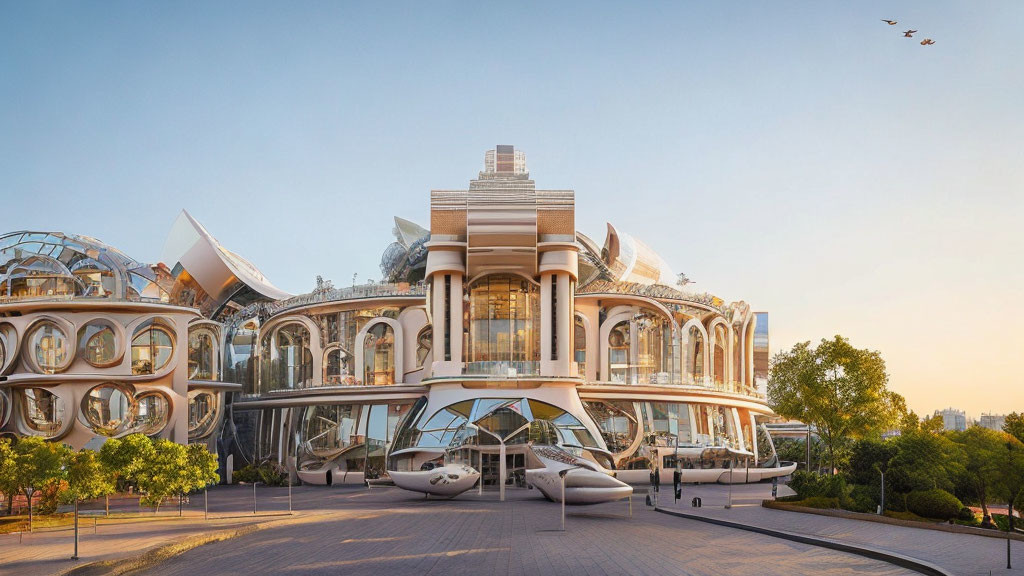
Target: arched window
504	325
379	355
43	411
152	348
620	369
337	367
720	353
98	344
694	361
109	409
736	357
287	360
201	354
579	345
51	349
424	343
653	348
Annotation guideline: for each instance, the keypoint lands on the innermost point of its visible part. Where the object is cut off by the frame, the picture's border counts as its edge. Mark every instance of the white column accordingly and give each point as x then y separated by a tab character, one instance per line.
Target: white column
564	328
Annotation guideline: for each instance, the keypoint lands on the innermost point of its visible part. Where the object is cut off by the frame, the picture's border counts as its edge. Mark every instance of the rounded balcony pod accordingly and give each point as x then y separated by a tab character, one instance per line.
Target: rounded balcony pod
109	409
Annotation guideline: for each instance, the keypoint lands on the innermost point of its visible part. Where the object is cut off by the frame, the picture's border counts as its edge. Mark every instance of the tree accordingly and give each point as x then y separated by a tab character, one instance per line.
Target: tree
1014	425
126	457
925	461
1010	486
868	457
163	475
87	477
840	390
8	483
38	464
983	450
202	468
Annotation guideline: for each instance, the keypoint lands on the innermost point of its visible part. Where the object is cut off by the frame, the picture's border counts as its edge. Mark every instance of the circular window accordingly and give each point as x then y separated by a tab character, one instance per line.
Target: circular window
151	350
43	411
50	348
151	413
109	409
3	352
99	344
202	413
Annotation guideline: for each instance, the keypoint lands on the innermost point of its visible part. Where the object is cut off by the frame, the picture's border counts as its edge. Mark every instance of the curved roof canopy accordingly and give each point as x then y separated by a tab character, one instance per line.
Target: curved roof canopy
223	275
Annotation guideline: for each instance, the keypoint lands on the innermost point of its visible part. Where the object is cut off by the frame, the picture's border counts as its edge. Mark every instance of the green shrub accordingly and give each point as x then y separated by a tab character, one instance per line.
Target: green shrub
819	502
966	515
267	473
808	484
935	503
863	498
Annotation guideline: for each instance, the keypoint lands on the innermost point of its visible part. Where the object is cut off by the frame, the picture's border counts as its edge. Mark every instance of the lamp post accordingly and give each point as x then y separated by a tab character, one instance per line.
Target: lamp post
75	555
562	474
206	504
29	492
254	497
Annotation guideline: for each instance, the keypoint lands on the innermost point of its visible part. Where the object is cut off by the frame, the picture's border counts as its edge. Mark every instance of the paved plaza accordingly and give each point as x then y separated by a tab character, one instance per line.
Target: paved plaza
353	530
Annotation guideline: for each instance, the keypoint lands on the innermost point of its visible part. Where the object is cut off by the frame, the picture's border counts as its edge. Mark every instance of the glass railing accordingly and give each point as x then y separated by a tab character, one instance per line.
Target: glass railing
629	378
502	369
352	293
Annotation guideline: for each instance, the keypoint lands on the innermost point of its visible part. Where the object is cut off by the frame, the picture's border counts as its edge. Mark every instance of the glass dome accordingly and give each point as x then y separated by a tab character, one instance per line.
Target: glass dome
54	265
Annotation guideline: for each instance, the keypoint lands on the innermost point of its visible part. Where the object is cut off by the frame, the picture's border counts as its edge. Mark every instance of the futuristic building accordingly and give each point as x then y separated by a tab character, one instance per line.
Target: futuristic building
503	345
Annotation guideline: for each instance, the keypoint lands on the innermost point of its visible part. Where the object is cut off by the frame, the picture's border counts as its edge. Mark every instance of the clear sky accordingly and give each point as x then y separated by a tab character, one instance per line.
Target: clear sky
801	156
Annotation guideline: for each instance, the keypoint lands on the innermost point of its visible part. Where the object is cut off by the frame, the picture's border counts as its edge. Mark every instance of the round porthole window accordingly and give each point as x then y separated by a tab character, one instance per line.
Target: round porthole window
50	348
99	344
109	409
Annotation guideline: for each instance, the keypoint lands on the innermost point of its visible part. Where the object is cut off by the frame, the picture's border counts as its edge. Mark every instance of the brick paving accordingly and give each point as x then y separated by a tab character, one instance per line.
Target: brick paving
958	553
390	531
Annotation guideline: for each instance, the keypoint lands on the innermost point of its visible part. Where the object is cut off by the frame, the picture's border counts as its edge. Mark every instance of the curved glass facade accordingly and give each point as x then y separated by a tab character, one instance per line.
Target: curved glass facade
351	437
287	362
504	325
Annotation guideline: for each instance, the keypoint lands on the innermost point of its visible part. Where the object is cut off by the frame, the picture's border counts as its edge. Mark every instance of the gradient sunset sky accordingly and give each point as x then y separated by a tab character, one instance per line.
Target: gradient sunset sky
801	156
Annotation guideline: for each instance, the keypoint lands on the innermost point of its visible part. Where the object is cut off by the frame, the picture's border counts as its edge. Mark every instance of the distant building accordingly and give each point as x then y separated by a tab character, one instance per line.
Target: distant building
953	419
761	352
992	421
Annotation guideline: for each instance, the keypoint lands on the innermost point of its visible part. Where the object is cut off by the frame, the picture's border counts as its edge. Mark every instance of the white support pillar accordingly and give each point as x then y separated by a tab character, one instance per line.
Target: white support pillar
501	472
564	327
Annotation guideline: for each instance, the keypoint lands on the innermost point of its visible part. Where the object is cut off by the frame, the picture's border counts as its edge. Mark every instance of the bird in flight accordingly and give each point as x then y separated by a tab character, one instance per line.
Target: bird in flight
927	42
909	33
890	22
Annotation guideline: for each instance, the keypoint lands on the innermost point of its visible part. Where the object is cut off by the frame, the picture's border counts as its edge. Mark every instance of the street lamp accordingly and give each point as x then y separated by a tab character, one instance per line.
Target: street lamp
29	492
562	474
